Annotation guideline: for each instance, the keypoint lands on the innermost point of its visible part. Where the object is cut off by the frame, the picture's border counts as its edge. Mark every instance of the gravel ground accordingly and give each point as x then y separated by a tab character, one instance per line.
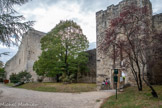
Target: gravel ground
21	98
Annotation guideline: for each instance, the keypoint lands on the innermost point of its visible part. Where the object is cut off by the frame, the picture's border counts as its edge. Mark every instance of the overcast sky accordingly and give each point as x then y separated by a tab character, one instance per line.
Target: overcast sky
48	13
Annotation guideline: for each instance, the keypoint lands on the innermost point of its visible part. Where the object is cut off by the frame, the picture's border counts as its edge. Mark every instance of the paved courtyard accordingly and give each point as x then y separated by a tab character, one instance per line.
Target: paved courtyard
21	98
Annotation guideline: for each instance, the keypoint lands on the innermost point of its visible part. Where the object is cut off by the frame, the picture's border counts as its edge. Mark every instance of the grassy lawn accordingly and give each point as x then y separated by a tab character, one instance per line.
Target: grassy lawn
131	98
59	87
10	84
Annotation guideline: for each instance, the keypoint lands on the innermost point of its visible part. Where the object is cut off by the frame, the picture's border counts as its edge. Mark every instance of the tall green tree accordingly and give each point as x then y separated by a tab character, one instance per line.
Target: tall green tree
62	50
1	64
2	74
11	24
2	71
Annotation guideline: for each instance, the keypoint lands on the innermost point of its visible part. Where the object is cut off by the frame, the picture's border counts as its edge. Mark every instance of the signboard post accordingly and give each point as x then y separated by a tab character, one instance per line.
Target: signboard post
116	79
115	71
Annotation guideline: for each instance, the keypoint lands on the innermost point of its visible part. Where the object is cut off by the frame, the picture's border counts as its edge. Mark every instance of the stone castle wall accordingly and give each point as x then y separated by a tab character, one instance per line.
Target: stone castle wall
90	77
155	74
28	53
30	50
157	22
104	62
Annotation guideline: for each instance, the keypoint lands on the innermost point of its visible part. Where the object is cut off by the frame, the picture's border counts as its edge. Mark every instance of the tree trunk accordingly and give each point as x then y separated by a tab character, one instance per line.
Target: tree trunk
139	75
154	94
66	57
140	82
136	76
77	74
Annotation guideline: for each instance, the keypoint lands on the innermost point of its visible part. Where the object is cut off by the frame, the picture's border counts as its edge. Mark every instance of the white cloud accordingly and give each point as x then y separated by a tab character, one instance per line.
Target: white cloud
48	13
47	18
12	51
156	5
83	12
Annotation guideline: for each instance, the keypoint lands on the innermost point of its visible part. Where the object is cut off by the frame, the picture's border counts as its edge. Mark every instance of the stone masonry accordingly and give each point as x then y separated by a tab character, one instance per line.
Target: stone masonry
104	62
30	50
155	72
27	54
90	77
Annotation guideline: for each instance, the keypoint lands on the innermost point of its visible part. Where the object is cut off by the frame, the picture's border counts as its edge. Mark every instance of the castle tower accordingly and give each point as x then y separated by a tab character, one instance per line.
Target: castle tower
104	62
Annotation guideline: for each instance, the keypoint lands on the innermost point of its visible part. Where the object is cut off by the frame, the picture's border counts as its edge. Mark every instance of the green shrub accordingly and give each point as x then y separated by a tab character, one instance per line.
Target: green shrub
67	79
24	76
2	74
14	78
20	77
1	80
